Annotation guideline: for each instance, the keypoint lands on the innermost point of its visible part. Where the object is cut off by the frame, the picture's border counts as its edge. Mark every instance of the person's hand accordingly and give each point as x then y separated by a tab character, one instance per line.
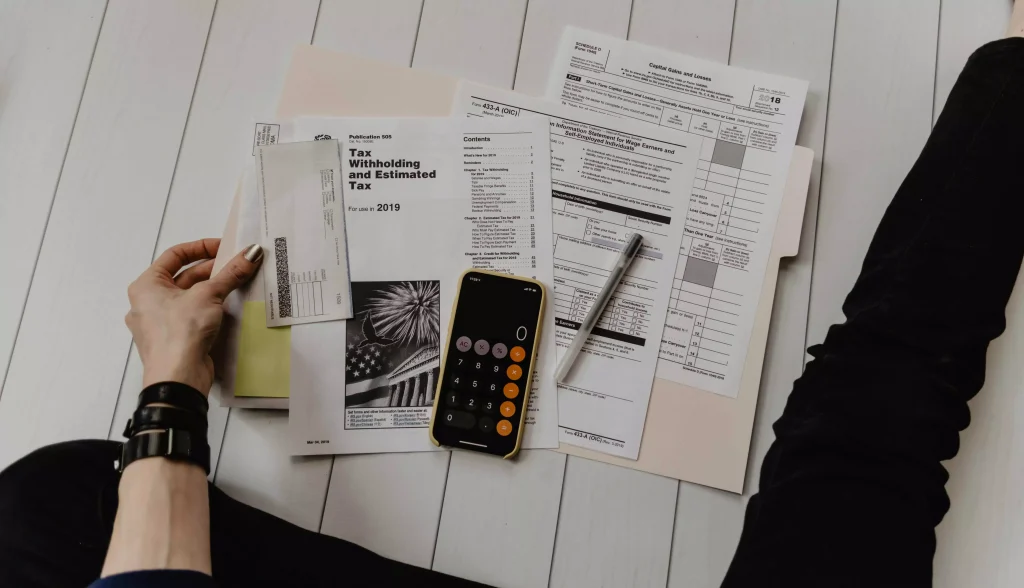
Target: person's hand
175	317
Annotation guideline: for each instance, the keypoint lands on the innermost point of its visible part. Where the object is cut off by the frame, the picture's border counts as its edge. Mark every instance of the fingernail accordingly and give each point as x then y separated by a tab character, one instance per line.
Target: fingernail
253	253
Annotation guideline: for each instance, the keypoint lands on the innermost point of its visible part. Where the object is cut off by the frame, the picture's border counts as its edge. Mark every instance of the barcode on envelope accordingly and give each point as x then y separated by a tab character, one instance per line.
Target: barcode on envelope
284	287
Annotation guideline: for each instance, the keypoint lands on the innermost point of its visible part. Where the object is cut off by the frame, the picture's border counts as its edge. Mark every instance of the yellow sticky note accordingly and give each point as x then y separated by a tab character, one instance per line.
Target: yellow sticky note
264	355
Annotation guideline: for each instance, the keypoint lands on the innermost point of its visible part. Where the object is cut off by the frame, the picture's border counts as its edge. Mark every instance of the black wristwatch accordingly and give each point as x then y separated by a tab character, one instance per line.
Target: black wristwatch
177	444
176	430
175	394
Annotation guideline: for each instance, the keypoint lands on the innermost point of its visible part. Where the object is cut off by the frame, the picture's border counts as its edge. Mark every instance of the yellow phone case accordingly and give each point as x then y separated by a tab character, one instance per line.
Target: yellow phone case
533	357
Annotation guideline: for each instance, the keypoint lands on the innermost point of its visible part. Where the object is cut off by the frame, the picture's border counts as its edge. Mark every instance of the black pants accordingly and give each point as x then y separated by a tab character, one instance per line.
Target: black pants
57	513
852	488
850	491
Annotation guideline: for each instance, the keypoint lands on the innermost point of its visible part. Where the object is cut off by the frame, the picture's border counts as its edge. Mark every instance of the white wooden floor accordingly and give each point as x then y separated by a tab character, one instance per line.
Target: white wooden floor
123	126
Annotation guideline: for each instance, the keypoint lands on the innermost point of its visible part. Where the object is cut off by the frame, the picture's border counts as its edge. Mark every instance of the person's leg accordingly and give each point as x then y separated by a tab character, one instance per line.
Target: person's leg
56	514
252	548
852	487
57	509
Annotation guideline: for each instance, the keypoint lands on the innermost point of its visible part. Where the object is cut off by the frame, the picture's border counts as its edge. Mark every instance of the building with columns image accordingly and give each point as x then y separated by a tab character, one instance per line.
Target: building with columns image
392	350
413	382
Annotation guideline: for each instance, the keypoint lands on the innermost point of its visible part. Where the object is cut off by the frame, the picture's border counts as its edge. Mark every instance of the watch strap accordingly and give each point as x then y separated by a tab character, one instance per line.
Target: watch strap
176	444
176	394
166	417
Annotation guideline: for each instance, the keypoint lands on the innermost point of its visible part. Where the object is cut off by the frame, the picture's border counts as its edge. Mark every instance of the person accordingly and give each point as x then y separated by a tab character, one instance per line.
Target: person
850	491
67	517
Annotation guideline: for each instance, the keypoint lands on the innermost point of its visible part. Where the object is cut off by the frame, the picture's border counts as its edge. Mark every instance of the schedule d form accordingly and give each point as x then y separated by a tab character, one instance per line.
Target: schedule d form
745	124
609	179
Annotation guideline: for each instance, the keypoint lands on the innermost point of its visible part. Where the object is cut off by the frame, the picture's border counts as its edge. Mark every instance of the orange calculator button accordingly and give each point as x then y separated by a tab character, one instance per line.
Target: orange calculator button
517	353
504	428
511	390
514	372
507	409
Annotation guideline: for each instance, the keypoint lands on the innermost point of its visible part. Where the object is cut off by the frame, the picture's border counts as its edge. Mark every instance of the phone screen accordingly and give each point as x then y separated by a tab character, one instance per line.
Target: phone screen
484	383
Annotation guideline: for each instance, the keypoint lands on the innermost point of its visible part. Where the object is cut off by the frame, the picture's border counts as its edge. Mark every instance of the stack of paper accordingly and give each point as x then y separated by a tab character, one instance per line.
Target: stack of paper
745	124
613	177
691	154
425	199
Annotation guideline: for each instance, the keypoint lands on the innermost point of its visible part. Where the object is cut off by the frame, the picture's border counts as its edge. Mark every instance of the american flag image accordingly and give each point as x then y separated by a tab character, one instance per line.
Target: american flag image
392	344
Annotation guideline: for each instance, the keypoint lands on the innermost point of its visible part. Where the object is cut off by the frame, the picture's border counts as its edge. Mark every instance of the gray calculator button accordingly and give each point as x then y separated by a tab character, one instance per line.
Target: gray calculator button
481	347
451	399
463	343
457	418
486	424
499	350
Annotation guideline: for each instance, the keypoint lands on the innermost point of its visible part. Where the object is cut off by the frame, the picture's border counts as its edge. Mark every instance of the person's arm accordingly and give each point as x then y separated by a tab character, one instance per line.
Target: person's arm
163	518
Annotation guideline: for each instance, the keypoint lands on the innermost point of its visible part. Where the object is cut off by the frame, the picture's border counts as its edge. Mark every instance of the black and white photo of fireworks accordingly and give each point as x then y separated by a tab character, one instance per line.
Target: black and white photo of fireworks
392	345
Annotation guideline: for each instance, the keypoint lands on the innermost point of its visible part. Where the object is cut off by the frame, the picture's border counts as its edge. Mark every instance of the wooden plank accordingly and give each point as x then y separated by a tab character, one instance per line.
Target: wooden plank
255	466
793	38
243	69
708	525
545	20
378	30
979	539
614	528
45	49
635	553
469	39
70	353
702	28
541	486
382	29
879	117
255	470
388	503
963	27
498	521
470	526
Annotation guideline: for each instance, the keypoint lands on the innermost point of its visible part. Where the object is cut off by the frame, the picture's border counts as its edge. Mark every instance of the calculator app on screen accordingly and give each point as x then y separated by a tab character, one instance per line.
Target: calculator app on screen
487	370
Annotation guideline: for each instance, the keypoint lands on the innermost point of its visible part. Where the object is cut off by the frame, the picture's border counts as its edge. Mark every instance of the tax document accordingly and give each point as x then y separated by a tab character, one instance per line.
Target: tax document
745	124
610	178
425	199
302	233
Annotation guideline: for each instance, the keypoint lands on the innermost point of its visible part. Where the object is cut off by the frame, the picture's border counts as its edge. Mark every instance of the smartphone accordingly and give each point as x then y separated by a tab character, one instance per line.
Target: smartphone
487	367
